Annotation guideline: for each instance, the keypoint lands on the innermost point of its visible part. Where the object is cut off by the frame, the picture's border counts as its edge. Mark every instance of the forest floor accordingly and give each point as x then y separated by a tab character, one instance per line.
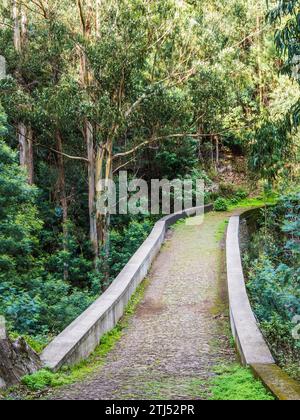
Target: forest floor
180	333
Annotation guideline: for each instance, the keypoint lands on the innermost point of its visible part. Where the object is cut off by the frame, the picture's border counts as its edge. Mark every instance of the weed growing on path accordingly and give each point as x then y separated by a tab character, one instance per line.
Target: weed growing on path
235	383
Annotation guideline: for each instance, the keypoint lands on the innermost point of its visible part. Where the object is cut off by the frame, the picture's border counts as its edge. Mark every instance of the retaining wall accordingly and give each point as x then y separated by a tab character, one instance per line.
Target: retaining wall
81	338
251	345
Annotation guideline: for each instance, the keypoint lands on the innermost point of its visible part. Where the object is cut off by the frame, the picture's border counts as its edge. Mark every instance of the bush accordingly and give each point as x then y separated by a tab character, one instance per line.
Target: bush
227	190
221	205
274	277
241	195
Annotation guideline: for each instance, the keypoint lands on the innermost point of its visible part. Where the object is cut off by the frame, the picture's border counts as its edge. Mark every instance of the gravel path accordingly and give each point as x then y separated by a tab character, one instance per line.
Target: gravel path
180	330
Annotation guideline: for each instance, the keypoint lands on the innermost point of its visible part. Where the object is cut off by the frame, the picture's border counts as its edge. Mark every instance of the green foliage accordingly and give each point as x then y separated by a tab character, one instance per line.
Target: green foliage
45	379
234	383
220	205
125	243
159	77
274	278
227	190
271	150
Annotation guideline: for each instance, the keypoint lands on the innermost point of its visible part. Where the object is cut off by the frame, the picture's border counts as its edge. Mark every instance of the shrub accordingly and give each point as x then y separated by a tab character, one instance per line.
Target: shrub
241	195
274	277
227	190
221	205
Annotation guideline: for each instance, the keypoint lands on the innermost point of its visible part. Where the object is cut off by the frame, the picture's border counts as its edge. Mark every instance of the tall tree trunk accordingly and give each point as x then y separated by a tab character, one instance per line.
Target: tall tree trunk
104	162
23	28
29	157
25	140
104	169
259	63
22	133
217	153
25	134
17	33
86	23
89	137
97	17
62	195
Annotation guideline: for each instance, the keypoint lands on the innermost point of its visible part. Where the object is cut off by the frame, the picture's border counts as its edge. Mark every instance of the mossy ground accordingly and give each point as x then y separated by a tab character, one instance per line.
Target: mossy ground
235	383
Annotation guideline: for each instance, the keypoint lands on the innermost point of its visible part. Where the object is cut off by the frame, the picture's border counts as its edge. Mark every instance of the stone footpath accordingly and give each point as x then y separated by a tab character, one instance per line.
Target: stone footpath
180	330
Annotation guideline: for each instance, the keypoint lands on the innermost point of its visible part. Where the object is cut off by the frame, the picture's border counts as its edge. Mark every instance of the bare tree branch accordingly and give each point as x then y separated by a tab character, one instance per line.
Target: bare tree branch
124	165
183	78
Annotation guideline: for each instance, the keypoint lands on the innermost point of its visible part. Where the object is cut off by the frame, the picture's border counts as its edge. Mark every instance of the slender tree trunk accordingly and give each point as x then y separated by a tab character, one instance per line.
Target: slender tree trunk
89	137
86	23
29	158
62	196
23	28
104	169
259	63
25	134
17	33
25	139
97	17
22	133
200	155
212	151
217	153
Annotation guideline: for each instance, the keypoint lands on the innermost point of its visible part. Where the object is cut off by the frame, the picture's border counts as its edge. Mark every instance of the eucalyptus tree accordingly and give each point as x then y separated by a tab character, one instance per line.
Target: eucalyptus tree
132	53
287	38
275	150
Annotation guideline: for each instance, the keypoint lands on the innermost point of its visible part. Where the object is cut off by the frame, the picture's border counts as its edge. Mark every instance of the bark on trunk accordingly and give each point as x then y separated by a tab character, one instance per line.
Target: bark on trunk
25	137
22	132
217	153
25	134
17	359
89	137
103	176
17	33
29	157
259	63
62	195
23	28
86	22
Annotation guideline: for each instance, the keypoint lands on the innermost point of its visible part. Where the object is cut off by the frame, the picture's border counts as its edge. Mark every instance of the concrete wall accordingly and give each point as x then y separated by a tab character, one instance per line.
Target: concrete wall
81	338
251	345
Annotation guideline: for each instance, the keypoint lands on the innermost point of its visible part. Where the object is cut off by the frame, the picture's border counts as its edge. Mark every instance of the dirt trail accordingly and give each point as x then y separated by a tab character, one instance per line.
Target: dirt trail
180	330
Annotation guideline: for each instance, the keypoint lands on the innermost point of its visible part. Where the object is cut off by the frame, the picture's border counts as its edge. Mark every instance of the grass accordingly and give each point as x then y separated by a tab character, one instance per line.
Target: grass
235	383
45	379
221	230
253	202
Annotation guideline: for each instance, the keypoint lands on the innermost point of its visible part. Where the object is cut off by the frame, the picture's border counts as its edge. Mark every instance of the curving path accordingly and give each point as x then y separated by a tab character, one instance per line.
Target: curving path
180	331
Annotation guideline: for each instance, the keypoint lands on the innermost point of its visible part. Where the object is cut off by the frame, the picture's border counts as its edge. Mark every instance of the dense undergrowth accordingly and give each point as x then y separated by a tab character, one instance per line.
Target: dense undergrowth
273	264
45	379
35	299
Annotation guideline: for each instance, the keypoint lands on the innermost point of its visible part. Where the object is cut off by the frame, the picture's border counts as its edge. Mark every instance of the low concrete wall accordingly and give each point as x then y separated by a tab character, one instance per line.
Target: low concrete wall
81	338
250	343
